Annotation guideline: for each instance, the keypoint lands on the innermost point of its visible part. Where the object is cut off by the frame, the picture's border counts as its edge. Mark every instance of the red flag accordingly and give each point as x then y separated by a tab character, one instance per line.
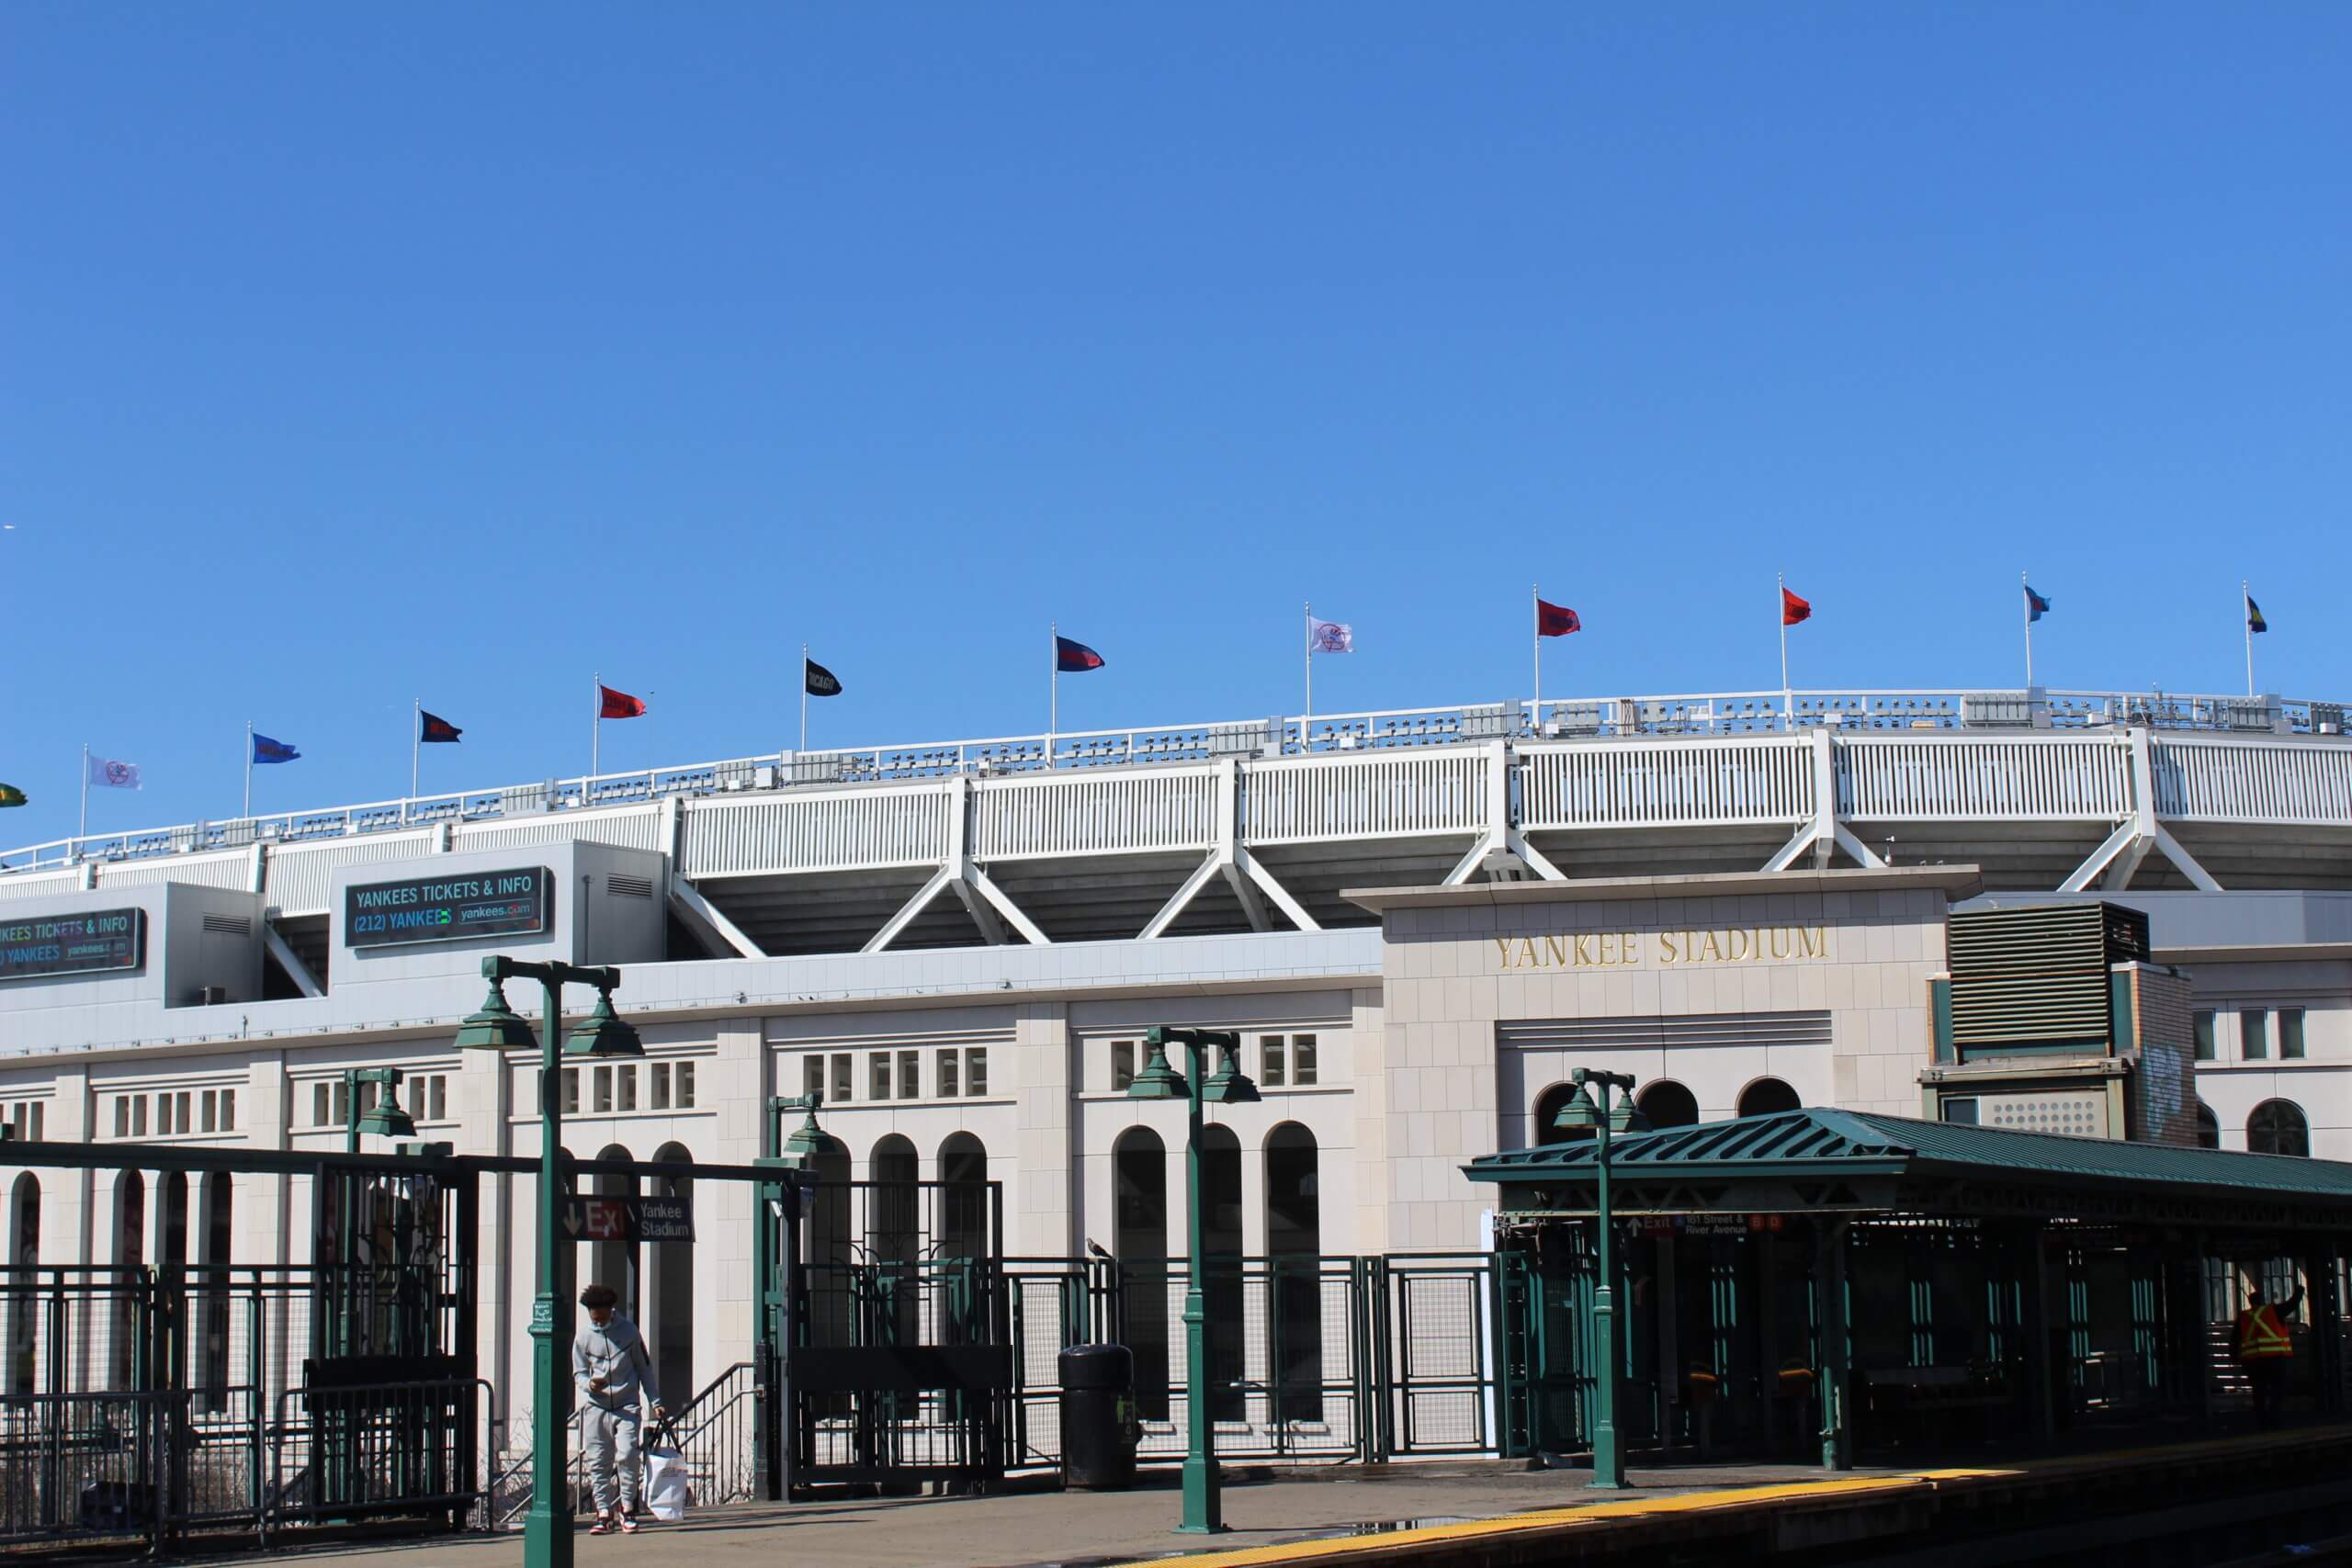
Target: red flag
620	705
1555	620
1793	609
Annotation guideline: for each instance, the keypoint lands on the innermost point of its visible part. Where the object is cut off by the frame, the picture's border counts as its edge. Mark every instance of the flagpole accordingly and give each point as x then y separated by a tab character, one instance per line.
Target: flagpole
1053	686
1534	598
2245	614
1780	604
804	696
1309	714
415	741
2028	630
249	767
85	792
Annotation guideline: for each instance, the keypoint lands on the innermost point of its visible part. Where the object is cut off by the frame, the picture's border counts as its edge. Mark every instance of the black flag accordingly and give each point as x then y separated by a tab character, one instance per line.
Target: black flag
819	681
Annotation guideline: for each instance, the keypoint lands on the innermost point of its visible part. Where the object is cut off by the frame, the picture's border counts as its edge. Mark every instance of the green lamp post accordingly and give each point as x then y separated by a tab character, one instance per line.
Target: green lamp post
384	1117
1584	1112
547	1528
1204	1502
775	1264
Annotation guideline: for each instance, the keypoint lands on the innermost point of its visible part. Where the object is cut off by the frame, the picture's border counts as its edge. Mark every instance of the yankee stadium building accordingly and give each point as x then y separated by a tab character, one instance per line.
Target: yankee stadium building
1419	923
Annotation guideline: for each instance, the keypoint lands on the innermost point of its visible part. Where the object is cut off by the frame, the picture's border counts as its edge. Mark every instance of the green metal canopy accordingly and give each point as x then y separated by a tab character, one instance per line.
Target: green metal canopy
1850	1161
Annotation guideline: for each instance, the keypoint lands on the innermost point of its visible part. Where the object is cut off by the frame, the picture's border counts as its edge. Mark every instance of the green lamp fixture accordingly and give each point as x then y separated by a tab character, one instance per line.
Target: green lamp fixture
811	1142
603	1034
1158	1080
496	1027
1230	1085
386	1117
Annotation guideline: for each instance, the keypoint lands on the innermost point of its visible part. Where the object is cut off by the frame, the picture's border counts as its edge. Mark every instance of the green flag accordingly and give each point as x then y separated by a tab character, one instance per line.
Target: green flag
11	796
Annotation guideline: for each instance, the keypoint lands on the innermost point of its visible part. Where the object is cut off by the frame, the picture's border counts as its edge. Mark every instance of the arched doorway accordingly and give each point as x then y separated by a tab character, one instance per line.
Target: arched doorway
891	1292
2277	1127
1139	1242
964	1197
671	1291
831	1253
1667	1104
2209	1127
129	1252
614	1263
1221	1269
216	1219
24	1260
1294	1252
1767	1097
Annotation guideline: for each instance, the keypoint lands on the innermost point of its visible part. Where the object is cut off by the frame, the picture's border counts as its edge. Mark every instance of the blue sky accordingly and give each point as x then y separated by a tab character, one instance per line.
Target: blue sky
362	354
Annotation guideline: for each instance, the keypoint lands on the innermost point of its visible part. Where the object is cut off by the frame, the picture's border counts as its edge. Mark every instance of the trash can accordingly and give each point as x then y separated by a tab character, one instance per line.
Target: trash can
1098	1417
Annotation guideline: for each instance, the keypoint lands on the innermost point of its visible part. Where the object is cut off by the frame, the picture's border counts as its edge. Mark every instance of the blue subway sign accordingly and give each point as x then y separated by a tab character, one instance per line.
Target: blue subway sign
72	944
446	908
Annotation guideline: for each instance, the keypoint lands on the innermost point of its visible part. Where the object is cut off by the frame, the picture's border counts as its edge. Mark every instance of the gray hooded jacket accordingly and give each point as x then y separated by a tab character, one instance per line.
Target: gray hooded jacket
616	1352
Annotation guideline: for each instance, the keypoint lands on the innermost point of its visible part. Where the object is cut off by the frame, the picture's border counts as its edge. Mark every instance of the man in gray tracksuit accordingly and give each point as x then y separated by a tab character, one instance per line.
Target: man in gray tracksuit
610	1365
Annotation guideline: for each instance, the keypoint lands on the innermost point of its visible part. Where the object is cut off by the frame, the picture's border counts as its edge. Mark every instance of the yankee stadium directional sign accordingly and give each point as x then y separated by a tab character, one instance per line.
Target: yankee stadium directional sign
72	944
445	908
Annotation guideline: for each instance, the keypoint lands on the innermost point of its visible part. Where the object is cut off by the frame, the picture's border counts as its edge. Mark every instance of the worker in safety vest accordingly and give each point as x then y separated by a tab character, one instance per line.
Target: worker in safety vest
2267	1352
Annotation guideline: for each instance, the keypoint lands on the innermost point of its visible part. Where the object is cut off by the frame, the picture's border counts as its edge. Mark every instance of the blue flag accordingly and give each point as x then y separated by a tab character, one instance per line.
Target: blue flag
2036	605
268	750
2254	621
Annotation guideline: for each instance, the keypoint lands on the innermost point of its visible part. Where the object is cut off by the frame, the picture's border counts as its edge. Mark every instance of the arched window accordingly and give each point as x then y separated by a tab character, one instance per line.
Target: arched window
964	1197
830	1250
2209	1127
1294	1249
1667	1104
893	1241
214	1234
1221	1269
2277	1127
24	1258
670	1295
1140	1241
1767	1097
130	1245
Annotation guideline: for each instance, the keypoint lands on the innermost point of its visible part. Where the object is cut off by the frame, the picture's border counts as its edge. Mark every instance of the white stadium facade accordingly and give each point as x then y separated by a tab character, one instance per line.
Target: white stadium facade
1418	922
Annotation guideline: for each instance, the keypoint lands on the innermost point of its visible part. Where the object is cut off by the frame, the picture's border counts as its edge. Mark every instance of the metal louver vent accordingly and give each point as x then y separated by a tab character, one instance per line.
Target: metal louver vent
2038	976
228	925
1701	1029
629	887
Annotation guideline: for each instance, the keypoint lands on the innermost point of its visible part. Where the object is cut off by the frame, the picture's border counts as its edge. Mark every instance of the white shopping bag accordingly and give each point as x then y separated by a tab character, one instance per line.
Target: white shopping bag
666	1481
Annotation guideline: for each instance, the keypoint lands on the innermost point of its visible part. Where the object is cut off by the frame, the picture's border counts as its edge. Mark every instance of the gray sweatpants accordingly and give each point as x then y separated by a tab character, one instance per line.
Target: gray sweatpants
608	1439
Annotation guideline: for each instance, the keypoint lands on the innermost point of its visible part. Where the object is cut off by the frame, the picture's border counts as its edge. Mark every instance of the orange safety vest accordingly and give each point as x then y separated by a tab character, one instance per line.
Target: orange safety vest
2262	1335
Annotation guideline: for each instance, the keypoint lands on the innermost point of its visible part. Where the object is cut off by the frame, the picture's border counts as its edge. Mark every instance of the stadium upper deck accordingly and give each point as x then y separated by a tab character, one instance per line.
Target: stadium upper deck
1259	824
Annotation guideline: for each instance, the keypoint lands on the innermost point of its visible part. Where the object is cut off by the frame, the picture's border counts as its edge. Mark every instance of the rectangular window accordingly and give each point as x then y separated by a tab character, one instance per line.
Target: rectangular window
844	1069
2291	1034
139	1116
685	1085
2204	1025
625	1081
440	1098
40	1120
976	1071
1270	1061
228	1112
812	1076
322	1105
212	1112
878	1075
1302	1059
1123	1065
122	1116
947	1074
571	1091
2253	1033
1962	1112
604	1091
162	1116
658	1094
21	1117
342	1105
909	1075
184	1121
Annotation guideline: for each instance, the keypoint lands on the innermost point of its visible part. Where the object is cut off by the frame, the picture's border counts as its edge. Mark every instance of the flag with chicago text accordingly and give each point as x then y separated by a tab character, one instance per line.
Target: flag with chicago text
817	680
432	729
268	750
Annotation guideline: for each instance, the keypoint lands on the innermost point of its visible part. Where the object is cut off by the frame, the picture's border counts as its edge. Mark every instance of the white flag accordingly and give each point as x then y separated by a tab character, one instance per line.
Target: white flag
107	773
1330	637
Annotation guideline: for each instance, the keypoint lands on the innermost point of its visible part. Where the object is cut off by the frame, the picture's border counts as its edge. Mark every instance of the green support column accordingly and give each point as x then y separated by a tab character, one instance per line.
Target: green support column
2041	1328
1836	1424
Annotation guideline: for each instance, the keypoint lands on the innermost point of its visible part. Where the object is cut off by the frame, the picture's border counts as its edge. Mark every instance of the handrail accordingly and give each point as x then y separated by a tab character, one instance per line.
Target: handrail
1992	710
